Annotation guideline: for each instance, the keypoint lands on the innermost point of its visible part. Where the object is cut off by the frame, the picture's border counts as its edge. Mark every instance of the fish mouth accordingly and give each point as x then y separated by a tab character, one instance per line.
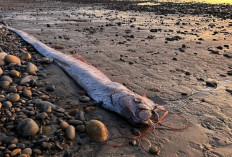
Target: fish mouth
144	114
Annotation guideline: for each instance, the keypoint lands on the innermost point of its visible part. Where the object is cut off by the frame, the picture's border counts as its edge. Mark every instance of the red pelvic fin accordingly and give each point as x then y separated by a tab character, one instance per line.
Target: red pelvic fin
81	59
144	95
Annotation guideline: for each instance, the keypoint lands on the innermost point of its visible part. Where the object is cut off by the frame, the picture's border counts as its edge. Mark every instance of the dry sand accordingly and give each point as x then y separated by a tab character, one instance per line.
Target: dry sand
134	48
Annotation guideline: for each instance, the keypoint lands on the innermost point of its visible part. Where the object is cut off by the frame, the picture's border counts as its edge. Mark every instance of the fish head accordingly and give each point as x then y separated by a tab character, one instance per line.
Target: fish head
141	110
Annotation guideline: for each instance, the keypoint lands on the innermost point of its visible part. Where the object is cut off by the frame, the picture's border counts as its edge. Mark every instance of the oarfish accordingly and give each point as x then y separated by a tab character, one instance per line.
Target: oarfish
112	95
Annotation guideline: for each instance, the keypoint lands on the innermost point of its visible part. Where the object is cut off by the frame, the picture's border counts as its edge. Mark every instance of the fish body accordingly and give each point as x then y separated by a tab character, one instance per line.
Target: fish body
112	95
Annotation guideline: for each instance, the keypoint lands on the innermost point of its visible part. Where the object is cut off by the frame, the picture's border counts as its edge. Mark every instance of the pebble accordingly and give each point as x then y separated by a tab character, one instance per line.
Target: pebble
12	59
28	127
6	78
154	150
73	112
7	104
81	128
15	152
26	56
4	84
27	151
211	83
46	129
31	68
97	131
2	62
13	97
3	55
11	146
50	88
80	116
27	93
75	122
41	116
10	140
70	132
90	109
84	99
15	73
59	47
46	146
63	125
37	151
1	71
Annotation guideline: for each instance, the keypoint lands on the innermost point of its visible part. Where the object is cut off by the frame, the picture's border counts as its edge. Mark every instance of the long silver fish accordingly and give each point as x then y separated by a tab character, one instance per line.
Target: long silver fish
112	95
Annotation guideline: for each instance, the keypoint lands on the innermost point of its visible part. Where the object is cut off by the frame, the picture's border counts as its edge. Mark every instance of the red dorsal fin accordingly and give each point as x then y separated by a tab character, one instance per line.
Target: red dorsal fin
144	95
81	59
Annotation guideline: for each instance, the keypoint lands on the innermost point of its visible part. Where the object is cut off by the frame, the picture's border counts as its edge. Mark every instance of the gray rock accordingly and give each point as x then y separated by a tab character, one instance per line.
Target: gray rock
31	68
13	97
6	78
75	122
1	71
84	99
46	146
70	132
28	127
80	116
27	151
41	116
11	146
7	104
10	140
4	84
81	128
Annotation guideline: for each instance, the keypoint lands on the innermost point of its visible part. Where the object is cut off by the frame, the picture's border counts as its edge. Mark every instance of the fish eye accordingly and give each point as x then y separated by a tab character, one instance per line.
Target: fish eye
138	100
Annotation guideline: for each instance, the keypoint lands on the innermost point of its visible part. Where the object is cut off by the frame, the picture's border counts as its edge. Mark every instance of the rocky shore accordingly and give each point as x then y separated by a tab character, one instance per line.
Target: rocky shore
30	122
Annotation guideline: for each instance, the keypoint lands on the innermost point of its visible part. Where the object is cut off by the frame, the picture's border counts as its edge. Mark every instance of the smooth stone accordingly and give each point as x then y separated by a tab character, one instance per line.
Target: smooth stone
63	125
10	140
90	109
154	150
41	116
15	152
4	84
27	93
46	129
81	128
31	68
50	88
1	71
84	99
37	151
75	122
7	104
20	145
70	132
46	146
59	47
11	146
15	73
80	116
26	56
6	78
3	55
73	112
13	97
0	105
97	131
28	127
46	106
2	62
12	59
27	151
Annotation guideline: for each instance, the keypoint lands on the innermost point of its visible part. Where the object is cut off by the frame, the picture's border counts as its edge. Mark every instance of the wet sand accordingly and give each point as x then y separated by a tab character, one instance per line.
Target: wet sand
185	59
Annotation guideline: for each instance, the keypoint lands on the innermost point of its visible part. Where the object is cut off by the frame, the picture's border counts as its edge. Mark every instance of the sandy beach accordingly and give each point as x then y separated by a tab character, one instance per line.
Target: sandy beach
180	58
